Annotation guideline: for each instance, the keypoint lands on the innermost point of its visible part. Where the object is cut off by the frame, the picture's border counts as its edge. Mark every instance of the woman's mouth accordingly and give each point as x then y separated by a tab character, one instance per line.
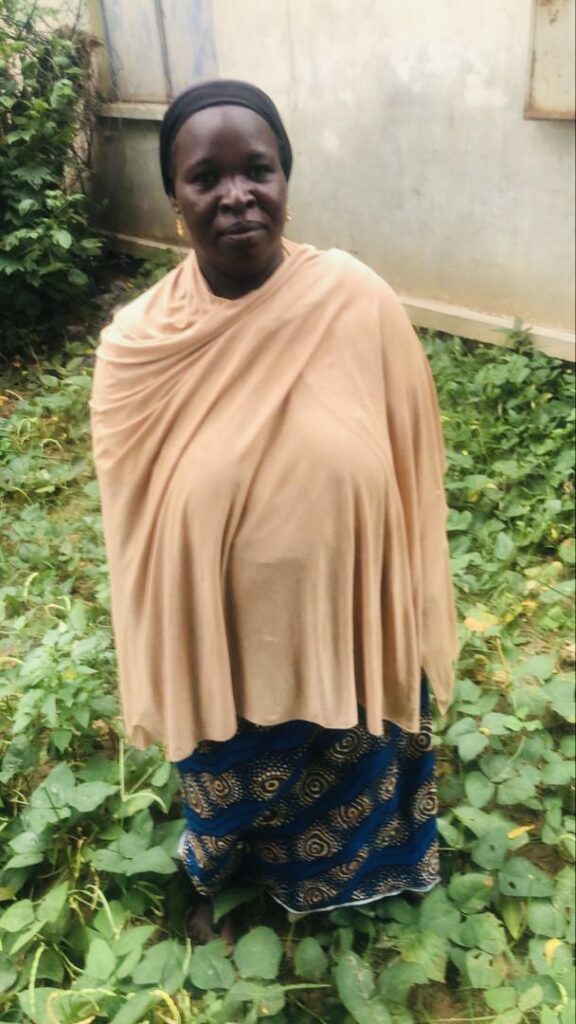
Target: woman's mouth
241	229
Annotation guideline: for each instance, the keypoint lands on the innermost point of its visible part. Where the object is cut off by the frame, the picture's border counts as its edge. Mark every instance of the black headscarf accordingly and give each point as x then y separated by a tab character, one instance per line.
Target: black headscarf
221	92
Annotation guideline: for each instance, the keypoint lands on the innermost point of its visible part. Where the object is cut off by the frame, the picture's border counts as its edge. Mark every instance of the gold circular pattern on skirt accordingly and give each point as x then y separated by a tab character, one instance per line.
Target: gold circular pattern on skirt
275	853
219	844
224	789
316	892
194	796
345	871
387	787
430	863
426	802
267	782
277	814
313	784
348	815
316	842
308	797
420	743
193	844
349	748
392	833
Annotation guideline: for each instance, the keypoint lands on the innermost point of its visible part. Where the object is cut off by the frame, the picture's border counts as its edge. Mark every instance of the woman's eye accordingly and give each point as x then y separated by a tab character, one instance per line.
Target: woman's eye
258	172
205	180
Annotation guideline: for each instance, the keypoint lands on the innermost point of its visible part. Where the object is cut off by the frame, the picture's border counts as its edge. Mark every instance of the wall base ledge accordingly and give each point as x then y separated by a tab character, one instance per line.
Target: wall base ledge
479	326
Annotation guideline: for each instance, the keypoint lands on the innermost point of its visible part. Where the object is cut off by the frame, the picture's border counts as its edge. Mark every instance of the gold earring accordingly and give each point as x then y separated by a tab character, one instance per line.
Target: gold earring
288	214
179	221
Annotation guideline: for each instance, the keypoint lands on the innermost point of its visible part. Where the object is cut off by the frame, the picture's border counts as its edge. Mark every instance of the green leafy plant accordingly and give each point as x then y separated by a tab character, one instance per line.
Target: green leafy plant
45	100
92	904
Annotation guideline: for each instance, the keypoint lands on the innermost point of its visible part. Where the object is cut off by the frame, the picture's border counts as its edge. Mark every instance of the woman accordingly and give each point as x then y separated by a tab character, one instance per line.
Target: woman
269	451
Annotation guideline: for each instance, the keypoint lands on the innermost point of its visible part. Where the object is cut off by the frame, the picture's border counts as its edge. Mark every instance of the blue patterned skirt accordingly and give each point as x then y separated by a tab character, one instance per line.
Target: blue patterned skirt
323	818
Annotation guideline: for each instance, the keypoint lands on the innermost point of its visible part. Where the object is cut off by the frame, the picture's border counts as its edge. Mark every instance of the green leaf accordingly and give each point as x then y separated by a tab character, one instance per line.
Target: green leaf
18	917
8	973
355	984
163	966
515	791
24	937
137	802
135	1008
23	860
505	548
438	914
545	919
266	999
111	861
233	896
567	551
560	693
393	907
53	903
530	998
133	939
56	790
209	968
523	879
560	773
549	956
500	999
61	739
30	842
354	979
396	980
427	949
62	238
25	205
483	969
110	919
450	834
35	1003
499	724
490	851
471	745
476	820
89	795
156	861
479	789
458	520
512	1016
470	892
310	960
100	961
258	954
547	1016
513	913
485	932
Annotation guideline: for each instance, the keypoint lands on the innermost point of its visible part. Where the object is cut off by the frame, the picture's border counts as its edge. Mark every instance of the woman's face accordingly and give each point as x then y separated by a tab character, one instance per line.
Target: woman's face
229	184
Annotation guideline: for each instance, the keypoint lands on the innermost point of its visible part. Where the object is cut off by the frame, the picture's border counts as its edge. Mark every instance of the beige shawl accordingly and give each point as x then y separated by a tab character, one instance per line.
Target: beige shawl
271	478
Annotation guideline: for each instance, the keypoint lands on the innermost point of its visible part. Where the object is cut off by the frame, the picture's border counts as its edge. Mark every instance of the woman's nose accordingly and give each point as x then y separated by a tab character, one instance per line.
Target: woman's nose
236	195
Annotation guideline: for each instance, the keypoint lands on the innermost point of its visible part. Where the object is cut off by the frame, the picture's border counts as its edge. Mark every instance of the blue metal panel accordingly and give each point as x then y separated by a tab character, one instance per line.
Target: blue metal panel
136	50
190	45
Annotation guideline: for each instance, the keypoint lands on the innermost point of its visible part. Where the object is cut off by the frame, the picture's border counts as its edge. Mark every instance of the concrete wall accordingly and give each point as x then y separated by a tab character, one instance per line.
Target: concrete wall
411	145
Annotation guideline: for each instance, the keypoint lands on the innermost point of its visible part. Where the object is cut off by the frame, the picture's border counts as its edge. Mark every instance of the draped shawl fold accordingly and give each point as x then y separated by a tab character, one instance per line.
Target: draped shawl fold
271	478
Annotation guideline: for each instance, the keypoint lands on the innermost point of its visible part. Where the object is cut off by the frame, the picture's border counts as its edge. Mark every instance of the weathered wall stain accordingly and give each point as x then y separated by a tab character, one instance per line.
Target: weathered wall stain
411	146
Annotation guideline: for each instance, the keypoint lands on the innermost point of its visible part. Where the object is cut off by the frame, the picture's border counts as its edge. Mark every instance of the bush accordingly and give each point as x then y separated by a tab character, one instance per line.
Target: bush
47	248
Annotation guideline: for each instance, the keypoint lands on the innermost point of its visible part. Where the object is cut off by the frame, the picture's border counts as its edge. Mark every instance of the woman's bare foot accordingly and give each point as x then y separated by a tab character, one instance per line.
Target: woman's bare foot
201	927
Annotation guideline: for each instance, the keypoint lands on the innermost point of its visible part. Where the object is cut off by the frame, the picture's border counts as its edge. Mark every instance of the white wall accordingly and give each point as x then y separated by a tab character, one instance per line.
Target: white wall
411	148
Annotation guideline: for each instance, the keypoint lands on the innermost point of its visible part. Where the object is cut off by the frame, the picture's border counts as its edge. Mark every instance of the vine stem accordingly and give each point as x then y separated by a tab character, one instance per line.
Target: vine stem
33	975
309	1011
459	1020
